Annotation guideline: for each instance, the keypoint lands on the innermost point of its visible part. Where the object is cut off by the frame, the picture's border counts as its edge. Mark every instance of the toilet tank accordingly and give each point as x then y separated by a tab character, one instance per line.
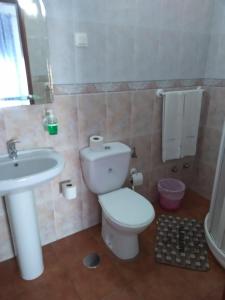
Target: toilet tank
106	170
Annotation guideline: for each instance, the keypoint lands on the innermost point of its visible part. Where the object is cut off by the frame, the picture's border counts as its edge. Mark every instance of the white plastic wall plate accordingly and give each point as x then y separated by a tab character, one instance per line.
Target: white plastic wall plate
81	39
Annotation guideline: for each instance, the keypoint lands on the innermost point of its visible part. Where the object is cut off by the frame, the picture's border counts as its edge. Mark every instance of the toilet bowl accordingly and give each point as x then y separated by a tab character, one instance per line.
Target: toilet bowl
125	213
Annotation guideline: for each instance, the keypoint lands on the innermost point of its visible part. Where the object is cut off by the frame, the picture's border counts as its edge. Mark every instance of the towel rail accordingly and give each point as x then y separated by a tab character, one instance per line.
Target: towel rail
161	93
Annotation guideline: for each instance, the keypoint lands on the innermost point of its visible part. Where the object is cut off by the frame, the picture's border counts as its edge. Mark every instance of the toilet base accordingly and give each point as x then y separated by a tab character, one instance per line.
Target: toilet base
123	243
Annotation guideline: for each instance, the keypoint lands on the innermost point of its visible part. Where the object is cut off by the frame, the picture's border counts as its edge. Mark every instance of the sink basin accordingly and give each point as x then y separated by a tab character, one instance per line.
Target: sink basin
18	178
31	168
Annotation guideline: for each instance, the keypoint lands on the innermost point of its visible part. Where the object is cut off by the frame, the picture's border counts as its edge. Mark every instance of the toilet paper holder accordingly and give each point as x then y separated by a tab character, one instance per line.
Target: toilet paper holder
135	172
68	181
132	171
68	190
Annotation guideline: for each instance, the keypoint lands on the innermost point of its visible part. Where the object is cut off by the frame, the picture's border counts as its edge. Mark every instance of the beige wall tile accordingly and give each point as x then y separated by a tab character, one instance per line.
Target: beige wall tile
25	124
131	117
212	119
6	248
91	116
142	112
142	146
65	109
118	116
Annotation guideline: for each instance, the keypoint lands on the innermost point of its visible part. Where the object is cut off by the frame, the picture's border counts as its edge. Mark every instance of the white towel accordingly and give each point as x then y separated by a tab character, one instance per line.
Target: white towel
192	111
173	103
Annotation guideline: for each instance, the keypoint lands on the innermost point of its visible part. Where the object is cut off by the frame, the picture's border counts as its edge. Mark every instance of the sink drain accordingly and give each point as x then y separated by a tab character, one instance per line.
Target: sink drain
91	261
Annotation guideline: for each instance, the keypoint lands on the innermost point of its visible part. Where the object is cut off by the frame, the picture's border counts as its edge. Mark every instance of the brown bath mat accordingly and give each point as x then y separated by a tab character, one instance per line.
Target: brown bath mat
181	242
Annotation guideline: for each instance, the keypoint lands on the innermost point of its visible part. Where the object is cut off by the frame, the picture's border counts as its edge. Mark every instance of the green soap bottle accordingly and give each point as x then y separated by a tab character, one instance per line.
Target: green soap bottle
52	123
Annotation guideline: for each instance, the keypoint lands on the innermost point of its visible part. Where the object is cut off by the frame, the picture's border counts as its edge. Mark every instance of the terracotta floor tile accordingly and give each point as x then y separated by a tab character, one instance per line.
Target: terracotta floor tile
72	249
159	284
95	232
137	268
55	286
202	283
216	294
196	285
12	285
50	258
193	206
9	279
94	284
66	278
127	293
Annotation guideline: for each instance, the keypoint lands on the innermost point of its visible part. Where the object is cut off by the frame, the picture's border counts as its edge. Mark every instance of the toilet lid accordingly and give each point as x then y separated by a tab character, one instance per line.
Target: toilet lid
127	208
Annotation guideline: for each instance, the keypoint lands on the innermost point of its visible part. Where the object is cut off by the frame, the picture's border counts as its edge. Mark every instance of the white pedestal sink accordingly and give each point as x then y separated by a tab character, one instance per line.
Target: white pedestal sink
17	180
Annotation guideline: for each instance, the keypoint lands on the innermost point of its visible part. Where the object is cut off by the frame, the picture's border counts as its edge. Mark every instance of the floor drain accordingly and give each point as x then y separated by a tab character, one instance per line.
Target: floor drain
91	261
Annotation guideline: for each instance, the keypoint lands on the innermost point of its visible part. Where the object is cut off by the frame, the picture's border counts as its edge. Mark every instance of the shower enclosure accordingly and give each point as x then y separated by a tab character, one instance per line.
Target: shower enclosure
215	219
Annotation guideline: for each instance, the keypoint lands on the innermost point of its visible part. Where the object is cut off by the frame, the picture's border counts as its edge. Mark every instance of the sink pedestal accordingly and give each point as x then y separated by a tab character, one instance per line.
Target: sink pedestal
18	178
25	233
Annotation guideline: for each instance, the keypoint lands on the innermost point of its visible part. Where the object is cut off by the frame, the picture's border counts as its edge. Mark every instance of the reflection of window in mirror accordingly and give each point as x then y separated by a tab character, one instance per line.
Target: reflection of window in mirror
15	80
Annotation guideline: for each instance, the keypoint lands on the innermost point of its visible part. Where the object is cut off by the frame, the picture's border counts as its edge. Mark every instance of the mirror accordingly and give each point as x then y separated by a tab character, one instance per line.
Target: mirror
25	73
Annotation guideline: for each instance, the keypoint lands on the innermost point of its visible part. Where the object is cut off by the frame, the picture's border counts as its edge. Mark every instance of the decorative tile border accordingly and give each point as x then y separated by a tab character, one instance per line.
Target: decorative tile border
214	82
89	88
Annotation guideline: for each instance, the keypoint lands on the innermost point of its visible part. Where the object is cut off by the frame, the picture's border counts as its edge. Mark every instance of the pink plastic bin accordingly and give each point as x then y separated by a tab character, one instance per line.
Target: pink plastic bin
171	192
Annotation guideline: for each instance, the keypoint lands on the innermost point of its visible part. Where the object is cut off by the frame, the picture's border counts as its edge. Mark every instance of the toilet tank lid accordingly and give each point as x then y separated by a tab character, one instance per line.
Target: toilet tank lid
110	149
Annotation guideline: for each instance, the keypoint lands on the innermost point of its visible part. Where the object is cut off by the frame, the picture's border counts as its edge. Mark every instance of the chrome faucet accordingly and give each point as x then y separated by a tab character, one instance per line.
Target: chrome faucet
11	147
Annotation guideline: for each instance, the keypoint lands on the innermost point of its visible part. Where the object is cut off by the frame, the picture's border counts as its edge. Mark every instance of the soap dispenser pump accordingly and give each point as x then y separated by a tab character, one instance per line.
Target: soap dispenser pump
50	122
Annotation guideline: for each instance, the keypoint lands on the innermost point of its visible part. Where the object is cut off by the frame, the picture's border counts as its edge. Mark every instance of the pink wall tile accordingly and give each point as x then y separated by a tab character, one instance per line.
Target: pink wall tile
65	109
43	193
212	118
142	146
216	108
156	150
25	123
71	172
203	180
91	116
118	115
68	216
144	189
91	212
71	167
133	117
157	115
142	112
6	248
208	147
205	108
186	174
154	176
45	213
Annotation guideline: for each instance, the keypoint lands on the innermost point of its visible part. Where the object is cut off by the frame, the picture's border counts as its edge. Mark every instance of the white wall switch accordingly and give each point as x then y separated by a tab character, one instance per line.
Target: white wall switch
81	39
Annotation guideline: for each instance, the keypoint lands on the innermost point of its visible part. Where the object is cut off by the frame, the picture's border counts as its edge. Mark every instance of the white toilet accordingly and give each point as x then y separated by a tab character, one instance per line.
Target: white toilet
125	213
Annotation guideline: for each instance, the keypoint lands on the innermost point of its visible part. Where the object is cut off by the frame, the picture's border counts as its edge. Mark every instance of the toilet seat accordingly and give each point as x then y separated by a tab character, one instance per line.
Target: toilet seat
127	208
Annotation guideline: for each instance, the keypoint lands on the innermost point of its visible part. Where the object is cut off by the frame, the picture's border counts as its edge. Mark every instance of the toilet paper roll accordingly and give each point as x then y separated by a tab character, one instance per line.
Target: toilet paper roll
69	190
137	179
96	143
